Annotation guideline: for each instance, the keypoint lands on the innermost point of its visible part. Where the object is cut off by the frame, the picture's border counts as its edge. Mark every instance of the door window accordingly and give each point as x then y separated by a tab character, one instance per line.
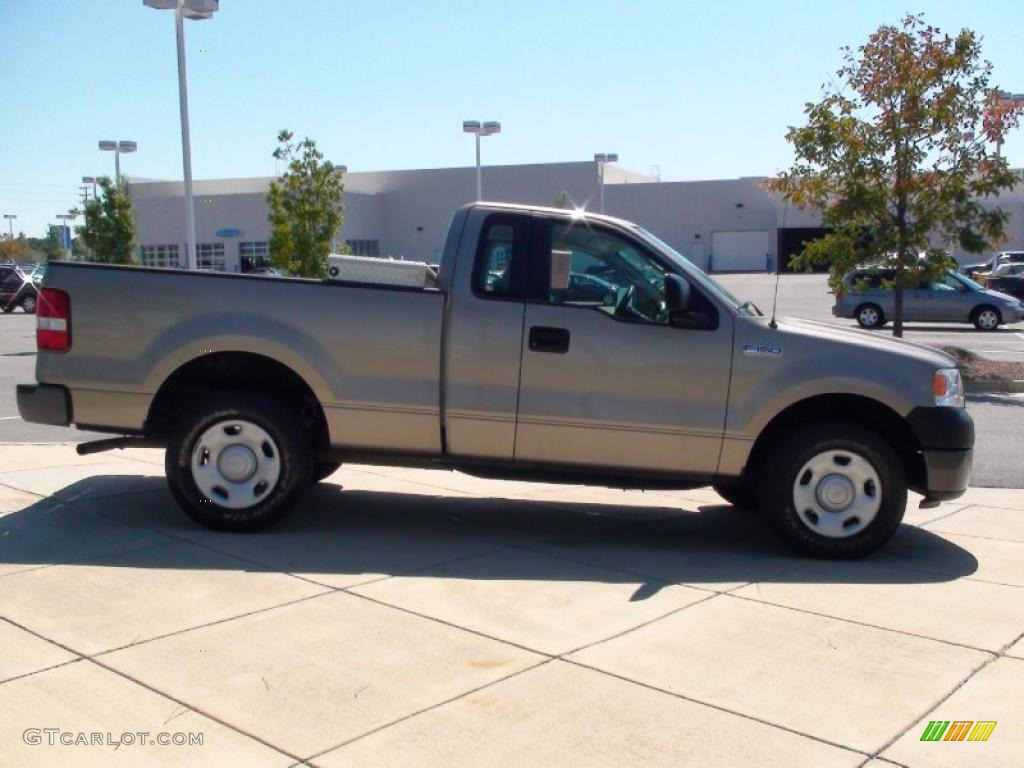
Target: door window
947	284
602	270
501	269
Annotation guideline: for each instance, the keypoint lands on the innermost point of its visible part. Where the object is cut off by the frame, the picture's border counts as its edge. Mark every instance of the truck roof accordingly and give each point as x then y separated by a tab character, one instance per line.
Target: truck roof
529	208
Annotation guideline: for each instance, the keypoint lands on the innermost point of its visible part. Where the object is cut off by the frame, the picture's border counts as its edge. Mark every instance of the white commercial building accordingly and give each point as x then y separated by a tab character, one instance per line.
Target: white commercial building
726	225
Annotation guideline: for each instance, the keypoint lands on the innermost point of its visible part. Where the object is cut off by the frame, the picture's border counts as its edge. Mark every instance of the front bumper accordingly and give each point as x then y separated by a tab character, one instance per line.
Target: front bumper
946	439
44	404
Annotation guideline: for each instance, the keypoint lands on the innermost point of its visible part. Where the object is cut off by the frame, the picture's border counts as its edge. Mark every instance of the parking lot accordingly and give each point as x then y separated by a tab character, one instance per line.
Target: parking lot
412	616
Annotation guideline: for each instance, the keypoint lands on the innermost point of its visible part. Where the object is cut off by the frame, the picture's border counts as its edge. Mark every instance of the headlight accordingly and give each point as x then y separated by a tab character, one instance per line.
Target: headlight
948	387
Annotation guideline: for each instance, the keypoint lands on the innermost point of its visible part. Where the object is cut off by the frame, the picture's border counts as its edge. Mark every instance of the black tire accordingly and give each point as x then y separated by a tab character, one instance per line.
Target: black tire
986	318
28	304
870	316
739	493
324	469
288	443
791	456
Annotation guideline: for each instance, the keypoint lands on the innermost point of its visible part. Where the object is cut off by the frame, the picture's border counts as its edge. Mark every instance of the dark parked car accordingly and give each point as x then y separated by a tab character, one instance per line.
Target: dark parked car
16	290
1008	279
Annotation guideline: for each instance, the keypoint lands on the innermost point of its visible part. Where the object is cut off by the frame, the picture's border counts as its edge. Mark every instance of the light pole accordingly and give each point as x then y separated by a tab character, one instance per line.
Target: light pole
1010	99
91	180
602	159
196	10
118	148
10	222
479	129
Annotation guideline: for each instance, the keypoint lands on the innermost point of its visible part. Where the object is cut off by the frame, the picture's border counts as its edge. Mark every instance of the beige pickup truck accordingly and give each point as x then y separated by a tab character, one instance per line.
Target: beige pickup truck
553	345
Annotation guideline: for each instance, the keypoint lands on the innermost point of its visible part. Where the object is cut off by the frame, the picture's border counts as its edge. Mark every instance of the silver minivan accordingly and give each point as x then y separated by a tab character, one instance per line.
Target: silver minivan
951	298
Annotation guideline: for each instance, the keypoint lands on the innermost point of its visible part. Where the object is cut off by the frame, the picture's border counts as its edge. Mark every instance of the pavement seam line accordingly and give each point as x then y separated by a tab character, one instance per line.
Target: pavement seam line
938	703
205	625
22	676
857	622
719	707
433	706
197	710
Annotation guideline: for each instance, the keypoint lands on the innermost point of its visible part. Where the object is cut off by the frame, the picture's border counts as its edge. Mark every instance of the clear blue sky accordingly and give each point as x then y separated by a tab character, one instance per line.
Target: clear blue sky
705	90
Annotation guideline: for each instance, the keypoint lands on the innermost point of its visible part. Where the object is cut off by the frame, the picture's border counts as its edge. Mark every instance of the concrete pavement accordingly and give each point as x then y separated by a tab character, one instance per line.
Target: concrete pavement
413	616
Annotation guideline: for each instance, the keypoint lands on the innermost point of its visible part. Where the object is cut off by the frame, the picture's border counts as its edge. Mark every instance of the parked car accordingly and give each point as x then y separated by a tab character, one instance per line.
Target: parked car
266	272
659	383
16	290
980	272
951	298
1008	279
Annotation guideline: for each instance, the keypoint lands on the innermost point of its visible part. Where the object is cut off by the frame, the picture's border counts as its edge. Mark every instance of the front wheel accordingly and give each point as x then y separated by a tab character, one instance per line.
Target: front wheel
835	490
986	319
28	304
238	462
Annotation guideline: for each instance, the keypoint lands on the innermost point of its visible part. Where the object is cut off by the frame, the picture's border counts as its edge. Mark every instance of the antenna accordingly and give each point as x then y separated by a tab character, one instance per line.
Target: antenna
778	273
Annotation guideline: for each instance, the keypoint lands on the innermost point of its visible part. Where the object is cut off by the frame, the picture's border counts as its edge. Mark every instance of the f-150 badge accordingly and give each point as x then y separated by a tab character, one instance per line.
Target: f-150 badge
761	350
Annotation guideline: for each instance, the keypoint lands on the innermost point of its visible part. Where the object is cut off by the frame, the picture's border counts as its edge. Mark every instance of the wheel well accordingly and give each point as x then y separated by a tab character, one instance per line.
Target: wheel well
862	411
243	371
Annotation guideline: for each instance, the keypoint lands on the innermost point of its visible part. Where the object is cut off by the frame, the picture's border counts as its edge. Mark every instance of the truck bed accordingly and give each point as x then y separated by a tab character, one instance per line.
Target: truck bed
132	327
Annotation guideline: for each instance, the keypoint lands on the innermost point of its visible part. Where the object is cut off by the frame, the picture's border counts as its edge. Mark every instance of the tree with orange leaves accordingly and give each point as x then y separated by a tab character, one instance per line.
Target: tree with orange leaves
897	158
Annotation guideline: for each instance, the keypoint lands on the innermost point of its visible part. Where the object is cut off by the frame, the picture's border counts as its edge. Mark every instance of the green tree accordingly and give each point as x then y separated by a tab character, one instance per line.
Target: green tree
897	159
305	208
109	229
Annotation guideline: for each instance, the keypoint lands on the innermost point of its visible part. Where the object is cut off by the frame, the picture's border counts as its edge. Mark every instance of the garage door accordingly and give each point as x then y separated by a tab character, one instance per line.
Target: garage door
745	251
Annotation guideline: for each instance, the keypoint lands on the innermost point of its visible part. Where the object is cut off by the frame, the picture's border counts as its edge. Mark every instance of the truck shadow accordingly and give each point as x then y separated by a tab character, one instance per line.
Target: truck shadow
335	534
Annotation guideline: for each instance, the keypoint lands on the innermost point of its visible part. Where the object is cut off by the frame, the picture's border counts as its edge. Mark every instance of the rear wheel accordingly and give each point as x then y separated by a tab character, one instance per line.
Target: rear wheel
986	318
238	462
835	490
870	316
29	304
738	493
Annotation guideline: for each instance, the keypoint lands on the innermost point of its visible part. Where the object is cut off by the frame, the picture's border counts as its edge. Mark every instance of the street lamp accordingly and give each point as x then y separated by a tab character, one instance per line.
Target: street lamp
10	222
118	147
602	159
1010	99
91	180
196	10
479	129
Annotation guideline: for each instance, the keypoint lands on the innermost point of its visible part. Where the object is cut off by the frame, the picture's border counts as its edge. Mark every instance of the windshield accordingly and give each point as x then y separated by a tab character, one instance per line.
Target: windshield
964	280
723	295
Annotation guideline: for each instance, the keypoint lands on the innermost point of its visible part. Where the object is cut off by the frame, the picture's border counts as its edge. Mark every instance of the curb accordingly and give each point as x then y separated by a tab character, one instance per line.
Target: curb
999	384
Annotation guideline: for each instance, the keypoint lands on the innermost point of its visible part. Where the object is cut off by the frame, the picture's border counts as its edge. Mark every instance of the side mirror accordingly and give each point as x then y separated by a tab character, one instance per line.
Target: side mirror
677	294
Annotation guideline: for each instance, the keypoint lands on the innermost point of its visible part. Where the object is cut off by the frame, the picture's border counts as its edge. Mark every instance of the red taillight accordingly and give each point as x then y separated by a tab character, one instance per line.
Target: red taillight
53	321
990	283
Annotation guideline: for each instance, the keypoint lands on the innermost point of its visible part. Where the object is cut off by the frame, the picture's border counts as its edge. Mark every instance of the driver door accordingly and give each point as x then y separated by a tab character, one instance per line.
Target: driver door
605	380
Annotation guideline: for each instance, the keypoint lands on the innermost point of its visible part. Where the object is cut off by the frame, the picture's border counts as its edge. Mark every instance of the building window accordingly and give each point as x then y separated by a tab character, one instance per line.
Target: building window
211	256
253	256
163	256
364	247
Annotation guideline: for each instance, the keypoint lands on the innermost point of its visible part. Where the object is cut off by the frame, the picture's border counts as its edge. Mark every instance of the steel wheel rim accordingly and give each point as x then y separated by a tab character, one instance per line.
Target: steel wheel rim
869	316
235	463
837	494
988	319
